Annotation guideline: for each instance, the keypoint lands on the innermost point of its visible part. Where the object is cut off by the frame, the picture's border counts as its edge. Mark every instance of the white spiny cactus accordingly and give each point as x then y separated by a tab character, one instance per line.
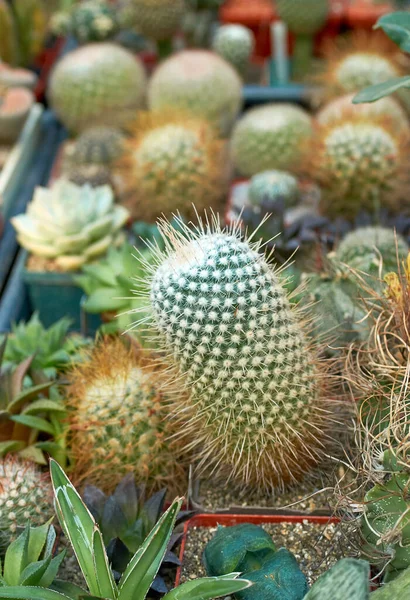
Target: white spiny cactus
254	409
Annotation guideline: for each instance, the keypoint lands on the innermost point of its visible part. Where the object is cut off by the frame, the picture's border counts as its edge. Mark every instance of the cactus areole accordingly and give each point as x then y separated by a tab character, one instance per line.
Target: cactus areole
253	411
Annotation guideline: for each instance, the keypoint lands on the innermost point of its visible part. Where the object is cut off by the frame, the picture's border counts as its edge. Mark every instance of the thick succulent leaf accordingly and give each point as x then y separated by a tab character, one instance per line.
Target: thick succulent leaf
208	588
104	300
108	588
113	521
76	522
95	500
349	578
146	562
120	217
70	263
72	244
17	378
34	423
54	449
135	534
33	573
52	570
26	396
397	26
159	586
396	589
153	508
36	247
33	454
380	90
22	592
37	540
128	496
99	229
16	558
99	247
171	558
69	589
118	555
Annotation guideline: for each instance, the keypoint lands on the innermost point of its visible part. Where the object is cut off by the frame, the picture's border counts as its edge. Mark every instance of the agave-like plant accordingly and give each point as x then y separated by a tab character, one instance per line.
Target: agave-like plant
87	542
52	349
70	224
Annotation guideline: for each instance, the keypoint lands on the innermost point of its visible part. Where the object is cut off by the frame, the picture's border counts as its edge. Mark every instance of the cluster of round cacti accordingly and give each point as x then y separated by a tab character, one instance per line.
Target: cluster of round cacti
273	186
100	145
25	496
96	84
235	43
119	421
200	82
255	411
359	163
158	19
92	21
173	163
270	137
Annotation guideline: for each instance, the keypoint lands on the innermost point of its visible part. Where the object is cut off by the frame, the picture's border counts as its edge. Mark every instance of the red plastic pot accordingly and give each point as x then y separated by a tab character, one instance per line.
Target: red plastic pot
363	14
212	520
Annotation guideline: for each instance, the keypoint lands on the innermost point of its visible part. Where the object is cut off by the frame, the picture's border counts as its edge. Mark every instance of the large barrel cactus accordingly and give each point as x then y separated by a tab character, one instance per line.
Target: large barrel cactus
200	82
97	84
255	409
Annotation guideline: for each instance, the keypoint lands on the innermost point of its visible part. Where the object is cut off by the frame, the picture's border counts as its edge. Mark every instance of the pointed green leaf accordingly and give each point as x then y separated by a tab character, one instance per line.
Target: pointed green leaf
16	558
37	540
34	423
397	26
143	567
108	588
33	573
380	90
21	592
43	405
22	398
76	522
52	570
11	446
208	588
34	454
54	450
69	589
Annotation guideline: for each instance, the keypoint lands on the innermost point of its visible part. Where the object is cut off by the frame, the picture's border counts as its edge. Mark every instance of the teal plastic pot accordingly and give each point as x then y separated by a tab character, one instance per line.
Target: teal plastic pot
55	295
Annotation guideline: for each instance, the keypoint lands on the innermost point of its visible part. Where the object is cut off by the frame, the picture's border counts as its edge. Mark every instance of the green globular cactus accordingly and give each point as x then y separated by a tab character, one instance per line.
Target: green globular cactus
8	42
386	525
25	496
98	146
368	249
358	70
273	185
349	579
304	18
270	137
235	43
358	164
255	410
93	175
96	84
200	82
69	223
119	420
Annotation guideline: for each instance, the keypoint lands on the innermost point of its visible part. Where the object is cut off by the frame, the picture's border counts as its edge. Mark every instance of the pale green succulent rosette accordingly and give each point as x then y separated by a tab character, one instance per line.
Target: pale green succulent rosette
69	223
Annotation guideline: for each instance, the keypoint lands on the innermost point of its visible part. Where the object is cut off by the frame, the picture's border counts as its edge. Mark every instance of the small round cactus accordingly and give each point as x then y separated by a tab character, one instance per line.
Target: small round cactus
270	137
93	21
272	186
173	163
235	43
358	61
254	411
93	175
200	82
98	146
158	19
366	248
359	164
387	109
26	496
119	421
96	84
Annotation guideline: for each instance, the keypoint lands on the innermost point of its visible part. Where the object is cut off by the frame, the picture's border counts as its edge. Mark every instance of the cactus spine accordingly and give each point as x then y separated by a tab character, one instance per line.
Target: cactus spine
255	412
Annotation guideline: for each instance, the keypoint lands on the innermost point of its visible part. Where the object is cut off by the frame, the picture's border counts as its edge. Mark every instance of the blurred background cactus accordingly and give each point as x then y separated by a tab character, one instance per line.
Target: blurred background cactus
235	43
173	162
199	82
273	186
270	137
23	28
100	145
89	21
97	84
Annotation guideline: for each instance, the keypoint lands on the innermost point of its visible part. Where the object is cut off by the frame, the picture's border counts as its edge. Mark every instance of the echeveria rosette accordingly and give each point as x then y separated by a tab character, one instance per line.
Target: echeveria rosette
69	223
